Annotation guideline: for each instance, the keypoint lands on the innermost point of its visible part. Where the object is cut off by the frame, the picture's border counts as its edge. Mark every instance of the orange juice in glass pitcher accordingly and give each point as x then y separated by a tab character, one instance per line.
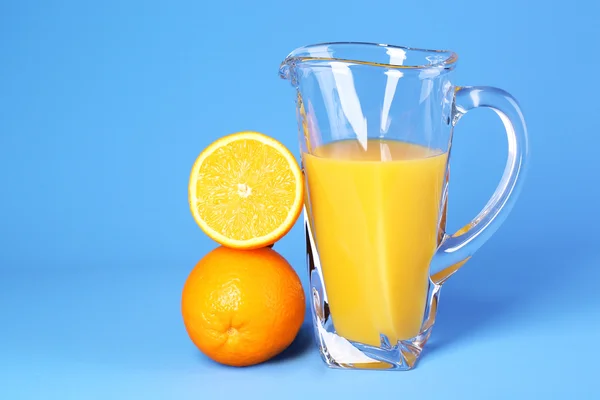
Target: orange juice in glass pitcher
376	124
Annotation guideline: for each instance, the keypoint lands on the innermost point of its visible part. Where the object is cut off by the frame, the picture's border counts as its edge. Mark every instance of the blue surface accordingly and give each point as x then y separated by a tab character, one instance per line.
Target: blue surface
104	108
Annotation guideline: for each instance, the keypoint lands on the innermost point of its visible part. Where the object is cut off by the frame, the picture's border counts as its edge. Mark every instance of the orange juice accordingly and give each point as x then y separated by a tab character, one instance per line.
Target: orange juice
375	217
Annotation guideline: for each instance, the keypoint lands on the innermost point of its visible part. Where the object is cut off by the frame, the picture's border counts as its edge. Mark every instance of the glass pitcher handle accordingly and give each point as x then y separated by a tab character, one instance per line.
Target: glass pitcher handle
456	249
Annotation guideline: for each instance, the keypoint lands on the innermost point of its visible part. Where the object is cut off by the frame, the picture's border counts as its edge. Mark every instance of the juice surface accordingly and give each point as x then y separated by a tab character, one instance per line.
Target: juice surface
375	216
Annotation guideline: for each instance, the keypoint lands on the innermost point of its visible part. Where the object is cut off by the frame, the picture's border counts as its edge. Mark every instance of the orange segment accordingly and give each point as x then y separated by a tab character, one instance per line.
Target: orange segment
245	190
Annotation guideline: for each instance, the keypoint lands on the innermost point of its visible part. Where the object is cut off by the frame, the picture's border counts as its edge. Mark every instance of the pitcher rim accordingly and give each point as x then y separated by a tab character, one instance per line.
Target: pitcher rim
448	62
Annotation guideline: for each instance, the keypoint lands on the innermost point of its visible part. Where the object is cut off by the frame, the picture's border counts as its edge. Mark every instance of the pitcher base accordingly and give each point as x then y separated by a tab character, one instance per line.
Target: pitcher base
338	352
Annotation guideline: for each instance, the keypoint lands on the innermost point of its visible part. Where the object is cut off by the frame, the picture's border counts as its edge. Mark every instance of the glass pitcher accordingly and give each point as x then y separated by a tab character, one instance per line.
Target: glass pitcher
376	124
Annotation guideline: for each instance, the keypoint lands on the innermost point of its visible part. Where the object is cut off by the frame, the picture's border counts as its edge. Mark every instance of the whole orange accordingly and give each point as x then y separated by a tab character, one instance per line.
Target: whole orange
242	307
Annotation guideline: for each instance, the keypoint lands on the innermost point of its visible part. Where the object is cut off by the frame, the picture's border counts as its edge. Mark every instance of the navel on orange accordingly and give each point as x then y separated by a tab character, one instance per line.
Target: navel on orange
246	190
242	307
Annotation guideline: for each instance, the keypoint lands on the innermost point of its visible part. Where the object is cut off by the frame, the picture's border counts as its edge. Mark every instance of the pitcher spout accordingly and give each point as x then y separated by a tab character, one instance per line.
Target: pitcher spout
288	69
284	70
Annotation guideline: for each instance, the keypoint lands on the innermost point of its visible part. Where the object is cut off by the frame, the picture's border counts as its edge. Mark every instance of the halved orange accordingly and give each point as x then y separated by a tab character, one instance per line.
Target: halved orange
246	190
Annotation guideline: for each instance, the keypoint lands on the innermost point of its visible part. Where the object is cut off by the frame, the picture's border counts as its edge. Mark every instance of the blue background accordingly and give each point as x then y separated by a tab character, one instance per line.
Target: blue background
104	107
